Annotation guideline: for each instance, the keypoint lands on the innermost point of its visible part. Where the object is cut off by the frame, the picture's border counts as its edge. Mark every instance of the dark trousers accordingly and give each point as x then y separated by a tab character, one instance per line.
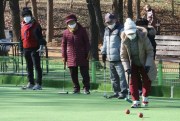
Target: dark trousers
33	61
134	82
84	70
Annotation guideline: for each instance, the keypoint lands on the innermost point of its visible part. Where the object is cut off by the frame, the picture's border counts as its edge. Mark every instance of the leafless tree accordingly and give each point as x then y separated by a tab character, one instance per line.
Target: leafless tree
138	8
117	9
99	19
93	31
14	8
71	3
130	9
2	35
34	9
50	27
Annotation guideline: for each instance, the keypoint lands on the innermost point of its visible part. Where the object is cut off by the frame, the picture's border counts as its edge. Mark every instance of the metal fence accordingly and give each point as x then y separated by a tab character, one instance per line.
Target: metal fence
53	69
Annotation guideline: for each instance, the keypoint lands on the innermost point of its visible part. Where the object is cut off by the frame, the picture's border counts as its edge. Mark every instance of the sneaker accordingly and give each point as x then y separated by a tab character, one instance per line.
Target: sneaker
76	91
136	104
115	95
144	101
37	87
87	92
121	96
29	86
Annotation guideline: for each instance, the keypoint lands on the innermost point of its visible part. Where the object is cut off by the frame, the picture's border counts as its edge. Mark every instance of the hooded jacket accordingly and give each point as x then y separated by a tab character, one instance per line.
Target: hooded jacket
146	54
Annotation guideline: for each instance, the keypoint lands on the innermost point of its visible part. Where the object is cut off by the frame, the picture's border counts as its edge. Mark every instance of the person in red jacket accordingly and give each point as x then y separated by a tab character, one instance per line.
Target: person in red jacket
75	49
31	45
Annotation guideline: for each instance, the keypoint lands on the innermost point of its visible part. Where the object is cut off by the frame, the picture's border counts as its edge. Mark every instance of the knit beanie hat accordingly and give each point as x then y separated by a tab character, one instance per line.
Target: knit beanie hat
129	26
26	11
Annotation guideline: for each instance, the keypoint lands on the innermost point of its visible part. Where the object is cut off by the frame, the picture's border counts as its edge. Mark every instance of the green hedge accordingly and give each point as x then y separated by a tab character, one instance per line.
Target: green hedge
160	91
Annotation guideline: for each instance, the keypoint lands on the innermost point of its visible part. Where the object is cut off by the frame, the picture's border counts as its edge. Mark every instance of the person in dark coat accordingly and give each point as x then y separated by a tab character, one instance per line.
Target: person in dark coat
75	51
31	45
151	32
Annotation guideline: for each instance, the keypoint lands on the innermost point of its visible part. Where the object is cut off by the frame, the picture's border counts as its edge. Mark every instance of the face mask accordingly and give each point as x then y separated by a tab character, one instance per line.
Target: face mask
132	36
112	26
72	26
27	19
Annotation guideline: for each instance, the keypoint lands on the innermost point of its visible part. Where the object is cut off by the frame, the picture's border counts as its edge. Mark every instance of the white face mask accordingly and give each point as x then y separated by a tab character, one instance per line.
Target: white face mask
132	36
72	26
27	19
112	26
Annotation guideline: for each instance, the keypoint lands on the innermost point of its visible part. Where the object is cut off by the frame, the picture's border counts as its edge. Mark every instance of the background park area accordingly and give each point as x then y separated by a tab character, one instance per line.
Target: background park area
48	104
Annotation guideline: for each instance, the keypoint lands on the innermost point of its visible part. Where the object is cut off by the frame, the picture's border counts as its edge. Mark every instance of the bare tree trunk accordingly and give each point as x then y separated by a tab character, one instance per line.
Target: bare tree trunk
26	2
34	9
120	11
99	19
130	10
138	9
93	31
4	4
2	35
50	26
14	7
172	4
71	3
115	7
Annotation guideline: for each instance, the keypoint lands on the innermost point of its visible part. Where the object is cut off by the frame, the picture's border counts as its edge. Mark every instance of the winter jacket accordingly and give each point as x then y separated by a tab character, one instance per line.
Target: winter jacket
75	47
31	36
145	52
112	43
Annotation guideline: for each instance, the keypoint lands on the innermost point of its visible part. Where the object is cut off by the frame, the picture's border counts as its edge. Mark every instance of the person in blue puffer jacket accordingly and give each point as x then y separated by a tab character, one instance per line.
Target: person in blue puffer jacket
111	51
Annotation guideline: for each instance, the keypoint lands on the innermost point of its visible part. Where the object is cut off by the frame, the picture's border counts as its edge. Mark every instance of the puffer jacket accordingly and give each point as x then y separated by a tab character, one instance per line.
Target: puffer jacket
112	43
145	52
75	47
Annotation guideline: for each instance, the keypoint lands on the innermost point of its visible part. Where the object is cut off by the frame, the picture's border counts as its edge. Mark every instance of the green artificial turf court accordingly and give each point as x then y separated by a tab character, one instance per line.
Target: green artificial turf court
48	105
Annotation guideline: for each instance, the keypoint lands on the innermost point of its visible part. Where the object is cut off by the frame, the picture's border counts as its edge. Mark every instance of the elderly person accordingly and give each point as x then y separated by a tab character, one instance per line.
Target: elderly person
137	58
75	49
111	50
31	44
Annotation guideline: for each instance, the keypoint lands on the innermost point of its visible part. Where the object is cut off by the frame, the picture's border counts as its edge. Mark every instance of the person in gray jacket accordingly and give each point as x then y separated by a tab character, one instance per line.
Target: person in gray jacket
111	50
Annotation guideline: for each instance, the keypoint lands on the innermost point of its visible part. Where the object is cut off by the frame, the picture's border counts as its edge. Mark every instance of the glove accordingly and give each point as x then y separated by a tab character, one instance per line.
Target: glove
147	68
104	58
40	50
128	71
